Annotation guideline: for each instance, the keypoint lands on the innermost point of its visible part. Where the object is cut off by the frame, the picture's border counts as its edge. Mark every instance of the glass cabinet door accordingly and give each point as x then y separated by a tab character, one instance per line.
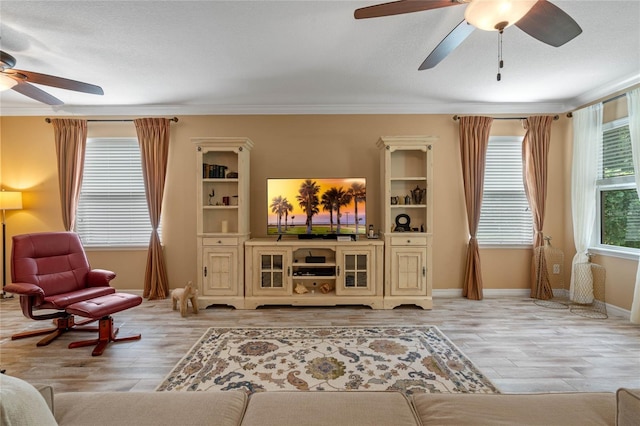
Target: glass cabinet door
355	272
271	271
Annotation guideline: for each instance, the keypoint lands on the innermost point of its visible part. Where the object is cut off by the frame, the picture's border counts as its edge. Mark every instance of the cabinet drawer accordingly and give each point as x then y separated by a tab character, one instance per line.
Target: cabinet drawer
409	240
222	241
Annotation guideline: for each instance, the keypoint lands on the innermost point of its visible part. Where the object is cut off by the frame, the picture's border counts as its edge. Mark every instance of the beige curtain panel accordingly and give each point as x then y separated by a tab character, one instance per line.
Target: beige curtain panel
153	137
474	139
535	153
71	141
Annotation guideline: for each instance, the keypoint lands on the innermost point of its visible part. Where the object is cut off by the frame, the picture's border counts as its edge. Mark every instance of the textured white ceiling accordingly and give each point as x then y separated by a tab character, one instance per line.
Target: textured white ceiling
201	57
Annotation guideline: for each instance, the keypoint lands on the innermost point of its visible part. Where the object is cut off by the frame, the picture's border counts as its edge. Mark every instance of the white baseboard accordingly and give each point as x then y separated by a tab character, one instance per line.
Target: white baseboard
450	293
618	311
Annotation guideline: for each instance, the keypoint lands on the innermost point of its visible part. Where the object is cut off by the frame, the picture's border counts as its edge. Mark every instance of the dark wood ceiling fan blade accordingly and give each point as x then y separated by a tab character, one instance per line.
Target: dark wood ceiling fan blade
59	82
34	93
448	45
400	7
549	24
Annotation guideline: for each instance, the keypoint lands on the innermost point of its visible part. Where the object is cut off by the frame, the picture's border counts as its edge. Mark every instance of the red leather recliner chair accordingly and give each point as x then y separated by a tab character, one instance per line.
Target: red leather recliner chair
50	271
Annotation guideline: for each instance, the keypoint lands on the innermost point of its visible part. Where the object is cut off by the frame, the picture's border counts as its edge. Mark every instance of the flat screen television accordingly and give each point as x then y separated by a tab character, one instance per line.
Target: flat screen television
321	206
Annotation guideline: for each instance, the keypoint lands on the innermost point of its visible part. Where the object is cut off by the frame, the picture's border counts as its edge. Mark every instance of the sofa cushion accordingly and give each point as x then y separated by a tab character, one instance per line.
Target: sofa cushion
628	407
329	408
509	409
150	408
22	404
47	393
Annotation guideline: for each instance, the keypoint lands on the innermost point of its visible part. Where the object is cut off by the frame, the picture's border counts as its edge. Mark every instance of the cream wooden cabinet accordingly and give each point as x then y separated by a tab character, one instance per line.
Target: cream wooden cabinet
219	274
222	219
313	272
407	219
408	264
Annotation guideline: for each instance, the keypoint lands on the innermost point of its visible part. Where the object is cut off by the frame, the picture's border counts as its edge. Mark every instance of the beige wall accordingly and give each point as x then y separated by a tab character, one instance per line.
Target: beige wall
291	146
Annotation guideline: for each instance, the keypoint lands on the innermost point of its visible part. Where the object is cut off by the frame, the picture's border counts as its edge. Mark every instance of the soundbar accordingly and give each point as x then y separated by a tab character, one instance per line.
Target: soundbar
341	237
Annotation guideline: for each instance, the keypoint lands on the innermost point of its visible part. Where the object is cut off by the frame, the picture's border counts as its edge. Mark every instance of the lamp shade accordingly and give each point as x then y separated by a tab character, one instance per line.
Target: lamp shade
487	14
6	83
10	200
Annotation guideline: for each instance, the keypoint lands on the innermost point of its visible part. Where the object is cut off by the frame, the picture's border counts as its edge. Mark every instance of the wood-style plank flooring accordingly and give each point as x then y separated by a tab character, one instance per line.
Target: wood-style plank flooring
520	346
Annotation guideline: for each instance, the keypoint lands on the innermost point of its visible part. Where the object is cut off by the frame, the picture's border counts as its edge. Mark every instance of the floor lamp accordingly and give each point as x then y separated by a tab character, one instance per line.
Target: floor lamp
9	200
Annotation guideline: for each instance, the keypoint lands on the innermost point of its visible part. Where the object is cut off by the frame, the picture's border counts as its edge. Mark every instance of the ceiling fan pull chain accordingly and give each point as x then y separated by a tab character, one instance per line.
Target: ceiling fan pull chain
500	61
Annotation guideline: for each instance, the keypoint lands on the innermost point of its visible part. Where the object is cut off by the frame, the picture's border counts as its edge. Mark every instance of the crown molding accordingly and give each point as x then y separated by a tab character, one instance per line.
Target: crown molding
150	110
472	108
602	92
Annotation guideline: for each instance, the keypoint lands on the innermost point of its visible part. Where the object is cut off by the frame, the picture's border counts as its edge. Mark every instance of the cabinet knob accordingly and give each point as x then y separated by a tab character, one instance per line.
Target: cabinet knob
424	271
205	271
408	241
219	242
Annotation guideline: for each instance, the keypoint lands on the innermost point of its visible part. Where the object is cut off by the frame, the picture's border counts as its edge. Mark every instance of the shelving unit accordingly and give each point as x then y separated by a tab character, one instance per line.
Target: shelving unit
222	222
308	274
381	273
324	272
406	164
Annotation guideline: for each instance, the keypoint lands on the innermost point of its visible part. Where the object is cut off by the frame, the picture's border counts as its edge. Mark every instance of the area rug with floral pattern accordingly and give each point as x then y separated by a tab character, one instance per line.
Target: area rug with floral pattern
405	359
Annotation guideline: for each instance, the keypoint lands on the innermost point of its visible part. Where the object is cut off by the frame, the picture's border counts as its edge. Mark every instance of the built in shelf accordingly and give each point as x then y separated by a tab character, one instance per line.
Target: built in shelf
218	180
222	207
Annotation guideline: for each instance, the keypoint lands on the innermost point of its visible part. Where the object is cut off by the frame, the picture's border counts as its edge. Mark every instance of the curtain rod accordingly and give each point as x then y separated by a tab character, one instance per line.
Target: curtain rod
570	114
614	98
555	117
174	119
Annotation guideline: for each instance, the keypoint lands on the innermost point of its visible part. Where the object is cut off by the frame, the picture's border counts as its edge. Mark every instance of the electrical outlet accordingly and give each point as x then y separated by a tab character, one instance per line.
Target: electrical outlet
556	268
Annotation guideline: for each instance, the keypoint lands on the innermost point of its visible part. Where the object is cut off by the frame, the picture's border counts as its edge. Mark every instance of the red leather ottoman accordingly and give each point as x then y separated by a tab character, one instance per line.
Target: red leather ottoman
101	308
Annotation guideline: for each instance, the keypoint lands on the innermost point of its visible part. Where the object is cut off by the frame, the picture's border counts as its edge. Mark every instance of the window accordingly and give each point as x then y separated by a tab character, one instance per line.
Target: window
618	207
112	211
505	217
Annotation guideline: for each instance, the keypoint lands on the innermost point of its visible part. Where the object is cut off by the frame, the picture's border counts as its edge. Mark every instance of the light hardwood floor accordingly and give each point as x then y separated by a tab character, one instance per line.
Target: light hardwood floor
520	346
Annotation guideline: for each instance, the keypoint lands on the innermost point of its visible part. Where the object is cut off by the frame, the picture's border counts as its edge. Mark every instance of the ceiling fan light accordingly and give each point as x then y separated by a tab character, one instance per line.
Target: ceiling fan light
6	83
487	14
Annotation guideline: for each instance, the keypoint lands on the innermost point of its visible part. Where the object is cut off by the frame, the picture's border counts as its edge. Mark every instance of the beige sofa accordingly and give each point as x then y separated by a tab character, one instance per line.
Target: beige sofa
23	404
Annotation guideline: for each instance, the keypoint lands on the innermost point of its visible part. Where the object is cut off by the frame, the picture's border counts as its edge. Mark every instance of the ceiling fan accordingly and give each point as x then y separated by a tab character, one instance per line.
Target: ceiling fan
540	19
20	81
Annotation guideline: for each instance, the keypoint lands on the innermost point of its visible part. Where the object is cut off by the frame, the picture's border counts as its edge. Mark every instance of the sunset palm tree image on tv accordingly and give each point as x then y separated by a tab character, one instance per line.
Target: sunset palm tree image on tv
316	206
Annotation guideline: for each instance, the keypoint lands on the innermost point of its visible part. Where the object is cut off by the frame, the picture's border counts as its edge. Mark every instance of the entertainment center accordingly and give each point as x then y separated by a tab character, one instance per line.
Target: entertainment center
332	262
313	272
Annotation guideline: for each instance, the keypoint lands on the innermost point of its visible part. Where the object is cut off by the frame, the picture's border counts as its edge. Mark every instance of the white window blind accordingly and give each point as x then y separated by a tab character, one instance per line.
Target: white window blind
505	217
615	157
618	207
112	210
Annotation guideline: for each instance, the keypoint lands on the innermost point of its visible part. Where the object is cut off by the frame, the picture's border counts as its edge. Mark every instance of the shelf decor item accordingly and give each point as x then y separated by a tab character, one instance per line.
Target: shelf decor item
418	195
301	289
403	223
326	288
